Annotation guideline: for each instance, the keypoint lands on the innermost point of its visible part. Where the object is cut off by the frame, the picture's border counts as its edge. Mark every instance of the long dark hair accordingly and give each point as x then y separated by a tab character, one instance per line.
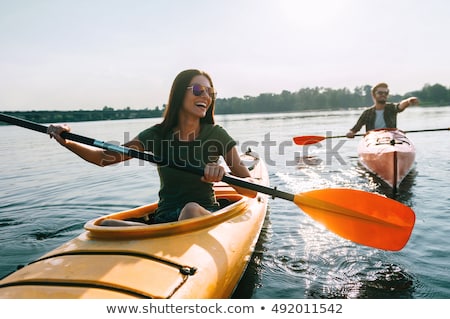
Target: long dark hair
176	97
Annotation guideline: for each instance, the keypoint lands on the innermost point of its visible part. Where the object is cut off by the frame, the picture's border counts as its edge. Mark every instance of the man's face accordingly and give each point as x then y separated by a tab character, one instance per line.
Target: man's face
381	95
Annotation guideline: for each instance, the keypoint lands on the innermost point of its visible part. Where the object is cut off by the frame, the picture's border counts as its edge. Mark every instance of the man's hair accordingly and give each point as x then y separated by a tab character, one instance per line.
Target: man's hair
379	85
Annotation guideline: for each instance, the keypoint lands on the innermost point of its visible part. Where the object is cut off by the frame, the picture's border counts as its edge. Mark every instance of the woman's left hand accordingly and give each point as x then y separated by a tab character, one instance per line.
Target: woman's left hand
213	173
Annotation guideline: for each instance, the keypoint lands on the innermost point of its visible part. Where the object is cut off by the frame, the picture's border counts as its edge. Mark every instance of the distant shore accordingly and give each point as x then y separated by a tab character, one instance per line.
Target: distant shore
306	99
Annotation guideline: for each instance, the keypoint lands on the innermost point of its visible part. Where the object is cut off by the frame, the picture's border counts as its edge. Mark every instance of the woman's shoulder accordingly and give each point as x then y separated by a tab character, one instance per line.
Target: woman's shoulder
213	129
151	132
217	133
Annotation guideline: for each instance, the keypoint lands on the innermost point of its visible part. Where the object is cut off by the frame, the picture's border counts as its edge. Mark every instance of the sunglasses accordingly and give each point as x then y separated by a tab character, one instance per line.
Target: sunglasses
382	92
198	90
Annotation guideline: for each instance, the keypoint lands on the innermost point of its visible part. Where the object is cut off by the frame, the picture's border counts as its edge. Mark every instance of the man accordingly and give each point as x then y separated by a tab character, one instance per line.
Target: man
382	114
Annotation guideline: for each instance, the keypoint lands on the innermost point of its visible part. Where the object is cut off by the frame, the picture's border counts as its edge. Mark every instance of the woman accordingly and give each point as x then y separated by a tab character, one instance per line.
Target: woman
187	136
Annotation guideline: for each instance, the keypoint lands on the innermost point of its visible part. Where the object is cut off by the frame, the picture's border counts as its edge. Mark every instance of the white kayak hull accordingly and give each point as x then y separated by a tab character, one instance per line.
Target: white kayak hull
389	154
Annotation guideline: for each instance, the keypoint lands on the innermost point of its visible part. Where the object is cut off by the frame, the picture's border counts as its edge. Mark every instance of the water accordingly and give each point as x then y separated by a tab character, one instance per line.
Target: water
48	193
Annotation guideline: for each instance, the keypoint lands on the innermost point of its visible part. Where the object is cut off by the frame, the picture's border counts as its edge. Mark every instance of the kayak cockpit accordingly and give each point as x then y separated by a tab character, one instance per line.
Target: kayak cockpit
235	205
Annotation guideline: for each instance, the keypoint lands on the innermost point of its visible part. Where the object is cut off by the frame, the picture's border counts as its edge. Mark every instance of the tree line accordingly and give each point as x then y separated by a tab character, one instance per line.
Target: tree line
318	98
107	113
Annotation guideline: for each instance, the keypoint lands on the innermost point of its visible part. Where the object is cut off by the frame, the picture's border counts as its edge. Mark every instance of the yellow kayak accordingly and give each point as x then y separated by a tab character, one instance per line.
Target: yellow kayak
202	257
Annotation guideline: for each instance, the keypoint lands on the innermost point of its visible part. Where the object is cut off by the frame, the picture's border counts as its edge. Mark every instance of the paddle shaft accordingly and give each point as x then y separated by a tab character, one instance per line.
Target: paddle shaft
429	130
144	156
412	131
313	139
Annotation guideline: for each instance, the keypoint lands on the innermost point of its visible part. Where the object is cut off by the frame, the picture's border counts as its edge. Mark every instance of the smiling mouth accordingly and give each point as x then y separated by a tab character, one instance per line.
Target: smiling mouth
200	104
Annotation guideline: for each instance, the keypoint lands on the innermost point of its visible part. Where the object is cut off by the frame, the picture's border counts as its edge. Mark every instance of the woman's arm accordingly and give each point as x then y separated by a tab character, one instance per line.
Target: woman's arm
91	154
238	169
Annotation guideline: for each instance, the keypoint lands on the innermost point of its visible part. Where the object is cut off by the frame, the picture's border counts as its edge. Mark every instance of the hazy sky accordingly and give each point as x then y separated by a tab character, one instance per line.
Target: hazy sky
80	54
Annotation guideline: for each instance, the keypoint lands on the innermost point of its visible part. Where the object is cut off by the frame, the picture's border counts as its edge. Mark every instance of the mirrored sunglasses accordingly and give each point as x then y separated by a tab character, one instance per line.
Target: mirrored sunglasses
198	89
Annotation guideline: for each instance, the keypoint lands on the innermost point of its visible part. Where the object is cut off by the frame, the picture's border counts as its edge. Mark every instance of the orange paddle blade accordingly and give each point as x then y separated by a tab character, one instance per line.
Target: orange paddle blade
307	139
364	218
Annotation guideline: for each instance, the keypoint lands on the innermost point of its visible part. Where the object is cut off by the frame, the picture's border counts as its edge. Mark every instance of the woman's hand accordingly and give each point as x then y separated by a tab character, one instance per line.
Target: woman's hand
55	132
213	173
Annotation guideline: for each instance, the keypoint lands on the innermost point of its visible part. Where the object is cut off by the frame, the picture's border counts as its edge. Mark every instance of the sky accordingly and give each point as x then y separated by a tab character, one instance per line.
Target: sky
87	54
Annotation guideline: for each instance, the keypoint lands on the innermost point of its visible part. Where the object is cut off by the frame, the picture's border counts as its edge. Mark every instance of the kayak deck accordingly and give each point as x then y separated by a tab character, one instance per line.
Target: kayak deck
202	257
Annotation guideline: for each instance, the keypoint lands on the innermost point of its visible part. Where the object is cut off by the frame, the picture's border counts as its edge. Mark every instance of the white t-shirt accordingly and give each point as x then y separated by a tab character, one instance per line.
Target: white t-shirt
379	119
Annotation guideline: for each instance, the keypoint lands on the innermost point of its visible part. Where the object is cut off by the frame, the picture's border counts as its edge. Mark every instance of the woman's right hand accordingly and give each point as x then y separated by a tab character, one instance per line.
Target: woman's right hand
213	172
55	132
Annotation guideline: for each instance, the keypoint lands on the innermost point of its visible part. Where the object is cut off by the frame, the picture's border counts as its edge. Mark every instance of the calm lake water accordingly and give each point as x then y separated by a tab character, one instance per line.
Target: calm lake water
48	193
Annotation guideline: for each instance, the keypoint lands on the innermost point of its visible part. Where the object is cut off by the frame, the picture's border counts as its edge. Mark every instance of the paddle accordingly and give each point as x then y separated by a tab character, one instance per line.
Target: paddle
362	217
313	139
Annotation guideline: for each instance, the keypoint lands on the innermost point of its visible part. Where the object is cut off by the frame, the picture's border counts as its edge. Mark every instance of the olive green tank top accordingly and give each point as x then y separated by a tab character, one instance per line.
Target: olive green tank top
178	187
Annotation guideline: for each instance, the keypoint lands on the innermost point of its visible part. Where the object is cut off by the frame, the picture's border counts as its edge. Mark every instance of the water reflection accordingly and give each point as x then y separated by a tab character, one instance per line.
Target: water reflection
319	263
357	276
387	281
404	191
304	161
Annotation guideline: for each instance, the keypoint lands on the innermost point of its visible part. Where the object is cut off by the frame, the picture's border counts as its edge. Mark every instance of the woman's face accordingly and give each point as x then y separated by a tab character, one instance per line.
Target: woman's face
197	100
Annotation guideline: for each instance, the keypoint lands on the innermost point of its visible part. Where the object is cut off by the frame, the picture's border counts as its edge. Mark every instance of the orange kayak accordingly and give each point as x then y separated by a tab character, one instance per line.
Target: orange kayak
202	257
387	153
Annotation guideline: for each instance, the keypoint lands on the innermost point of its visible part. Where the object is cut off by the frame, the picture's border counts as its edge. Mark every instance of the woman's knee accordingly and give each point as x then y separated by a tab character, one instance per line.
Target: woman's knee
191	210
